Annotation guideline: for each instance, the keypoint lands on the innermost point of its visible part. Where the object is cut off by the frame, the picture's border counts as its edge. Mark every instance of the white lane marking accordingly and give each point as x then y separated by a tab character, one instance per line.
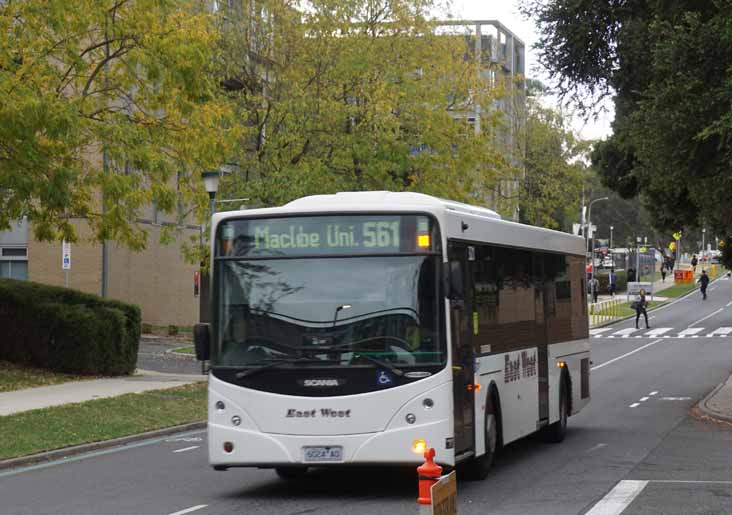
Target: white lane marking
615	502
596	447
675	398
599	330
188	448
653	393
625	332
644	399
658	331
689	331
634	405
721	331
596	367
89	455
189	510
729	304
708	316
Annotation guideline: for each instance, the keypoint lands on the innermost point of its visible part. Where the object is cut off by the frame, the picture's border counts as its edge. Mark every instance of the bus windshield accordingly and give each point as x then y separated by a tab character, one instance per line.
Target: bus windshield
337	311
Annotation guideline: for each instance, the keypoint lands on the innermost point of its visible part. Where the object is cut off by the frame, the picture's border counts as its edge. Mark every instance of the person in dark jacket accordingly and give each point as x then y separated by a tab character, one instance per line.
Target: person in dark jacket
694	262
704	281
663	272
640	307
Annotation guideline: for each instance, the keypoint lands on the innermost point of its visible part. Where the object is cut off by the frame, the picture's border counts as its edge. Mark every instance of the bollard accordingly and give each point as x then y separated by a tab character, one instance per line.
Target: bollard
427	474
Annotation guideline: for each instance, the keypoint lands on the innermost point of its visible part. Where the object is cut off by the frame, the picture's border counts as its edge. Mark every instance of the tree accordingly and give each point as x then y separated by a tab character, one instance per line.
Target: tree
105	103
669	66
356	95
554	168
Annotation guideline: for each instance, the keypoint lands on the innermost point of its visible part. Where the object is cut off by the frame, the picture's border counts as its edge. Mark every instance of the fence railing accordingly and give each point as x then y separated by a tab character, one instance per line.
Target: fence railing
605	311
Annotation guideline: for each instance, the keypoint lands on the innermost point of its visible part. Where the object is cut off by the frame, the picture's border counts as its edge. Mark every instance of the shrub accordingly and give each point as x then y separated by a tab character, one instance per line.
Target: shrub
622	280
147	328
172	330
67	330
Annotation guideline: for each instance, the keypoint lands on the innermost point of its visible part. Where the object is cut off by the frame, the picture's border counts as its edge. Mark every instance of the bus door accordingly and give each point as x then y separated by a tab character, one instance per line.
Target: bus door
542	309
460	258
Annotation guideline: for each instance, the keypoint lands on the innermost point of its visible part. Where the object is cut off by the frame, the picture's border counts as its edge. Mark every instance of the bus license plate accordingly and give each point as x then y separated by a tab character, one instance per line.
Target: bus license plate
323	453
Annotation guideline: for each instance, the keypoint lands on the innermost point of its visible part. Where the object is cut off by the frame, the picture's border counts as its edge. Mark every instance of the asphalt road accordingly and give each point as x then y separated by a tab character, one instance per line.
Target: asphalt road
156	354
635	450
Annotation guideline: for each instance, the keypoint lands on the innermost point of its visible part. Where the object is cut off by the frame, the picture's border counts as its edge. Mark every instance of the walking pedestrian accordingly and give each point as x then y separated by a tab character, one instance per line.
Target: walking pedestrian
640	306
694	262
704	281
663	272
594	289
612	281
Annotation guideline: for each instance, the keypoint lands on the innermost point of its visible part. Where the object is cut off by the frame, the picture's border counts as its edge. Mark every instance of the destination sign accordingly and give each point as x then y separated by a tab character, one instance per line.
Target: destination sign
325	235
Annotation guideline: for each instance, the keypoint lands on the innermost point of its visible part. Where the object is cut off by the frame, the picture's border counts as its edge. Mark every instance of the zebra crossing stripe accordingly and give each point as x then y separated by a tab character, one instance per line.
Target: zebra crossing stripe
721	331
595	332
654	333
690	331
660	332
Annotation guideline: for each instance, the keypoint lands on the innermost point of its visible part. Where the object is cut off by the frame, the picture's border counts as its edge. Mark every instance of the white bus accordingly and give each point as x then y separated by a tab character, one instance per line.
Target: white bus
360	328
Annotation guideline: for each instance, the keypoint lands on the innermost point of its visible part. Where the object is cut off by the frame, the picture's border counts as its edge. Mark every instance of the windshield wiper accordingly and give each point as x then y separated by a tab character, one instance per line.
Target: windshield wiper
394	370
345	345
277	363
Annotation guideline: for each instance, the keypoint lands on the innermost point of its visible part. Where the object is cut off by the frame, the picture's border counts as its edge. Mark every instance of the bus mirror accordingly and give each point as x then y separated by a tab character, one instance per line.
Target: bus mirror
202	341
455	289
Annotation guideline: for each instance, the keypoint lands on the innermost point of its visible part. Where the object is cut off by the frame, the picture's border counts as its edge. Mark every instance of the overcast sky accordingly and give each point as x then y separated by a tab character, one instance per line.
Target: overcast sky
506	11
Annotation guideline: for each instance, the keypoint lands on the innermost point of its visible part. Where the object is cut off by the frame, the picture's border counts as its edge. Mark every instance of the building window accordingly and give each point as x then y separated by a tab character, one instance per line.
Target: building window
14	270
14	252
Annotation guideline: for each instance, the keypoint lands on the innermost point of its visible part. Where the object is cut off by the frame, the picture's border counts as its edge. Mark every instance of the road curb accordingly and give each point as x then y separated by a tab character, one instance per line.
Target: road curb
709	412
75	450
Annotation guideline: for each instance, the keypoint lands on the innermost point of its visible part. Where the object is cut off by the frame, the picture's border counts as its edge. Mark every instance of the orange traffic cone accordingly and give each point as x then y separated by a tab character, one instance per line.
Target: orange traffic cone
427	474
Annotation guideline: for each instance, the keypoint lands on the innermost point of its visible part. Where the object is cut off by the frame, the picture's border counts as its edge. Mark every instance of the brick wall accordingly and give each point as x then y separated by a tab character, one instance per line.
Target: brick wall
157	279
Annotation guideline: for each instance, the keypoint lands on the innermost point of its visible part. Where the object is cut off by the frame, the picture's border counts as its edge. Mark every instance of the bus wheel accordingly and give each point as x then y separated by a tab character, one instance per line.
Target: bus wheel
556	432
291	473
478	468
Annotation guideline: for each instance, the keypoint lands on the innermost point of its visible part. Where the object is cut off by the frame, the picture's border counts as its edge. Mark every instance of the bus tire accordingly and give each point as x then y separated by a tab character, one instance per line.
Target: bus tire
479	468
291	473
556	432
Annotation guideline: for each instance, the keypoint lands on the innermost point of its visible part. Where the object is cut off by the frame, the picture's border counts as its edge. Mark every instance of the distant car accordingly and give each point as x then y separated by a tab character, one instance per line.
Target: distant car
607	262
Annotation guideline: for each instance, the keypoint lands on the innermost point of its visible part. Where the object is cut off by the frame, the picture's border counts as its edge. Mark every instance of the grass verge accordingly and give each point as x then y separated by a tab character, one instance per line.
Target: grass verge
625	309
18	377
185	350
103	419
677	290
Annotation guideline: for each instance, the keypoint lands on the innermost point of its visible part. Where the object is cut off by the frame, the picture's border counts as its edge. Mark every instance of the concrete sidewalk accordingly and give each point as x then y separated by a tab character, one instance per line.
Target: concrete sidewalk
718	404
81	391
658	287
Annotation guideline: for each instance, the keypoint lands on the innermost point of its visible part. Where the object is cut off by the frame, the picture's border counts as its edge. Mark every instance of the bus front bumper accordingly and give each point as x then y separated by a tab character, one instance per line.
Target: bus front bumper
390	447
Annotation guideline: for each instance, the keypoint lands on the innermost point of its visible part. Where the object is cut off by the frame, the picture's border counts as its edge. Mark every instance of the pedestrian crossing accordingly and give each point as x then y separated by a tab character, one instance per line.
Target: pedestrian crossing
661	332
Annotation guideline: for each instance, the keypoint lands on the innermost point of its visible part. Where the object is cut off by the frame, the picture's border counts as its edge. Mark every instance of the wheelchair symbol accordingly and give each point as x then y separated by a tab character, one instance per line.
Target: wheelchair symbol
383	378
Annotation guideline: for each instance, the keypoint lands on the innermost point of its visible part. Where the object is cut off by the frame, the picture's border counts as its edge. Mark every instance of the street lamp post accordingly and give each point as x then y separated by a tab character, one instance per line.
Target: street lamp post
592	238
703	248
610	249
611	237
211	184
637	259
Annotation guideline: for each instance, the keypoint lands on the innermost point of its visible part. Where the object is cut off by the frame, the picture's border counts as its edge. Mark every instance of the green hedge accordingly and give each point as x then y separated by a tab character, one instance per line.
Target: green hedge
622	279
67	330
